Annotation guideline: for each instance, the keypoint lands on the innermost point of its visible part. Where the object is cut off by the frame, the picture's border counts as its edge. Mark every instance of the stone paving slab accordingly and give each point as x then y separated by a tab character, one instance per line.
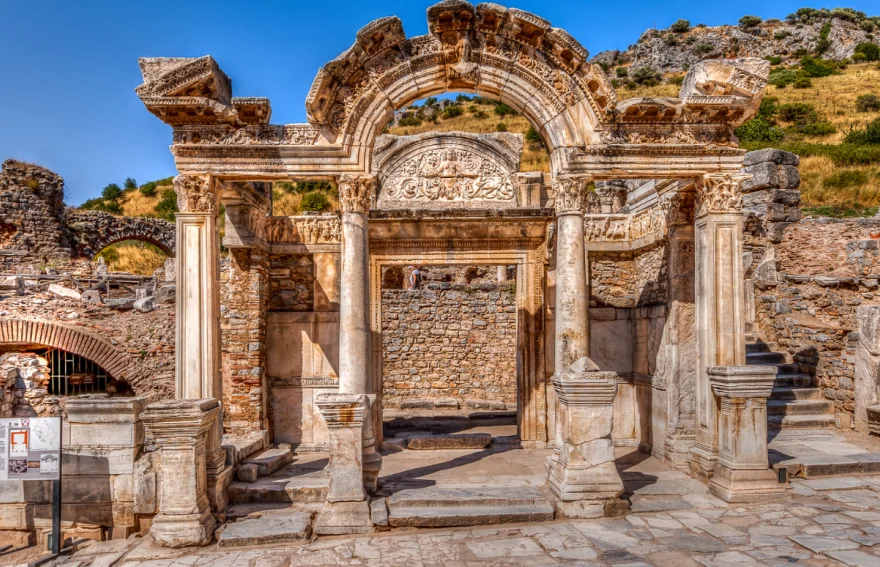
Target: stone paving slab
286	527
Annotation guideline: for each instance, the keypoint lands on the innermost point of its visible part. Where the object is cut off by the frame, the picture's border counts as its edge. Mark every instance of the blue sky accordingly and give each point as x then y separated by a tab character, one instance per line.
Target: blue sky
68	69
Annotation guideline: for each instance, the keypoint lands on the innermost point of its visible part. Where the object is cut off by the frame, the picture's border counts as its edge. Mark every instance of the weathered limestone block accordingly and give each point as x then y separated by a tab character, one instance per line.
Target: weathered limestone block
743	473
867	364
180	429
873	416
585	468
347	509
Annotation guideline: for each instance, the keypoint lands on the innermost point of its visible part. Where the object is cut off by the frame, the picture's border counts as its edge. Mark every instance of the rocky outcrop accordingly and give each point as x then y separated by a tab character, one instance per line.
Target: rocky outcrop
671	52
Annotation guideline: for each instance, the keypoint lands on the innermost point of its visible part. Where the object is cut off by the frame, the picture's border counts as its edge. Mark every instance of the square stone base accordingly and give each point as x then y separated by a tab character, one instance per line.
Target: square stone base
747	485
339	518
601	482
184	530
217	485
702	463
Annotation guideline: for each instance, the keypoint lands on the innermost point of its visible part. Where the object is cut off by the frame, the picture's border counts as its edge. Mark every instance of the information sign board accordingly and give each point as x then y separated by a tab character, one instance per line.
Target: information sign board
30	448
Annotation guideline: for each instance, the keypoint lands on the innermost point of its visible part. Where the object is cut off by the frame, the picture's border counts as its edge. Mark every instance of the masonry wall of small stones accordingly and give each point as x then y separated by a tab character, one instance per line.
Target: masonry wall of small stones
629	279
455	343
291	282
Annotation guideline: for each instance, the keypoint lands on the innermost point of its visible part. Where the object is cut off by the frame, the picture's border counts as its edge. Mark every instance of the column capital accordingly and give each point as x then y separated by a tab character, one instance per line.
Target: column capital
356	193
343	410
720	193
678	207
195	194
582	384
571	195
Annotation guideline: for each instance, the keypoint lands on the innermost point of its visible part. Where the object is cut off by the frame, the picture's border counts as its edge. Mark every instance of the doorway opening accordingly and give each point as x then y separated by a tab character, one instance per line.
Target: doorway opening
449	355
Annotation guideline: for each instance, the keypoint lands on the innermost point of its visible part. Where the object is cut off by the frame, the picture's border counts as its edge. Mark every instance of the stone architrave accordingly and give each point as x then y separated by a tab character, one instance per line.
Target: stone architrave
346	510
572	329
743	473
585	469
180	428
719	303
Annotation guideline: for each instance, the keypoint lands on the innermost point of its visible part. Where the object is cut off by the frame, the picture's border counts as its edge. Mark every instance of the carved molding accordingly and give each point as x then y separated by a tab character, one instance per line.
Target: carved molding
302	230
195	194
720	193
356	193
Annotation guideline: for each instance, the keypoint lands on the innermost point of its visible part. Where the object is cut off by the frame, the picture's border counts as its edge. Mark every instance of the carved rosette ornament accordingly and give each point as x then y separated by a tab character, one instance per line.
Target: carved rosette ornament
356	193
571	196
195	194
720	193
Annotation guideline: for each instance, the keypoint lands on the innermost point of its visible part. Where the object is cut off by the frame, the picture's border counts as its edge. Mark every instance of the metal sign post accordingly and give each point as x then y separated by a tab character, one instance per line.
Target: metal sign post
56	500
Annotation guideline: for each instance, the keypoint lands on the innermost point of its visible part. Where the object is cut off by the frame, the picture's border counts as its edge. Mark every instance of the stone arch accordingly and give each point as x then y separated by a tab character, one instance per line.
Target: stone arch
490	50
92	231
117	363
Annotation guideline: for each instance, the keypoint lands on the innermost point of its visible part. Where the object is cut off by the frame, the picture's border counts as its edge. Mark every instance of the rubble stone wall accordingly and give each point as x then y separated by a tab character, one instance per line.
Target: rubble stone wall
629	279
450	343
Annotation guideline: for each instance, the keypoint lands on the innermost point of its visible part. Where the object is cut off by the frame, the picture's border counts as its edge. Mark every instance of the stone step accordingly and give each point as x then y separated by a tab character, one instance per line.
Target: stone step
442	442
795	393
754	348
432	517
813	466
765	358
800	421
799	379
786	368
799	407
306	488
273	527
271	460
465	495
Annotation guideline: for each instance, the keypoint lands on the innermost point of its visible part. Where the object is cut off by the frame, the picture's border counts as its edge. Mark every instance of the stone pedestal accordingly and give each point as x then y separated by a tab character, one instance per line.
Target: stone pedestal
719	304
585	469
743	473
372	459
346	510
180	428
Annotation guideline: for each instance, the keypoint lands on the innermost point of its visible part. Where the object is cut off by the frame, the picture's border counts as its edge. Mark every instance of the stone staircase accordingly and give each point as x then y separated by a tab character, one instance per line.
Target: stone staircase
795	403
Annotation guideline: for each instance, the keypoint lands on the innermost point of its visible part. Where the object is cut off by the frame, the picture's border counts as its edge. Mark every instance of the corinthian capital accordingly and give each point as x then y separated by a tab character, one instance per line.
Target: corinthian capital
720	193
195	194
571	195
356	193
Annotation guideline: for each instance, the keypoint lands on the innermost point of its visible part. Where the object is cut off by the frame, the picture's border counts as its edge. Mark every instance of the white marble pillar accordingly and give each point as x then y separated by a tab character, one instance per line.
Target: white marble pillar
346	510
502	274
719	303
197	371
584	477
572	291
181	428
743	473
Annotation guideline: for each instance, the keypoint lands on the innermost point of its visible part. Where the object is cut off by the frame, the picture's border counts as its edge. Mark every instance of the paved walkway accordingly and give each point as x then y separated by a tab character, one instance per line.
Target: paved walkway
674	522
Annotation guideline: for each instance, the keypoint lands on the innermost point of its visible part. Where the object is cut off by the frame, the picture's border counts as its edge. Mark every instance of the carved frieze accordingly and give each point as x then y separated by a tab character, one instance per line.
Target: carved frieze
264	134
720	193
302	230
195	194
356	193
607	228
680	134
449	175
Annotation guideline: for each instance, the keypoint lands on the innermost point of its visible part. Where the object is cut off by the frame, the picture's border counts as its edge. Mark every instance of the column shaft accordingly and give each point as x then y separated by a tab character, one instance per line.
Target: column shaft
354	301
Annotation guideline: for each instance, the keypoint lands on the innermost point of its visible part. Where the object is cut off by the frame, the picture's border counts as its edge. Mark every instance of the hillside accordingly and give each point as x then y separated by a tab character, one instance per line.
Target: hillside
832	34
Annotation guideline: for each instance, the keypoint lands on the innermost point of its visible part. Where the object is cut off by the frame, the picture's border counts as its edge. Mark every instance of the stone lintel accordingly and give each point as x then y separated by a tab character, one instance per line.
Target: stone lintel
742	381
343	410
103	409
180	421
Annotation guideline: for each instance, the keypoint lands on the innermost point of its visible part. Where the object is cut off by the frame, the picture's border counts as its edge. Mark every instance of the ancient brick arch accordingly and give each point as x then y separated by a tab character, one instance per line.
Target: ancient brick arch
92	231
75	340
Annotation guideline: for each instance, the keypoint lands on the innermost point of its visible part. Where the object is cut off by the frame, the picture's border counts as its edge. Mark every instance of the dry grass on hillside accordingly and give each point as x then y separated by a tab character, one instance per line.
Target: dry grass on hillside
138	205
533	159
133	257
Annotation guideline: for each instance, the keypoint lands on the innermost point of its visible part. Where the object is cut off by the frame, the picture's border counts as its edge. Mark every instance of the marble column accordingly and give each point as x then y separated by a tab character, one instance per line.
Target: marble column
572	301
719	303
346	510
584	477
356	195
743	473
181	428
502	274
197	341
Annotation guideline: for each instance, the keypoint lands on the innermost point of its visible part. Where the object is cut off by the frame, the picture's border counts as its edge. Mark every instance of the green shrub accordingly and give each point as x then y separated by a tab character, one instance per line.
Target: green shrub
462	98
604	66
868	103
870	135
759	129
167	205
646	76
676	79
621	72
823	43
813	67
681	26
670	40
817	129
480	114
109	254
315	201
749	21
782	77
96	204
871	51
129	183
803	83
780	35
533	137
704	49
845	178
798	112
410	120
503	110
859	58
773	59
452	111
501	127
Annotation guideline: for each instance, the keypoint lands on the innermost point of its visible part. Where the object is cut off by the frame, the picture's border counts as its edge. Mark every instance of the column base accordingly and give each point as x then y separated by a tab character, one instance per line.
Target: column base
590	509
340	518
678	450
572	483
703	463
747	485
217	485
372	466
185	530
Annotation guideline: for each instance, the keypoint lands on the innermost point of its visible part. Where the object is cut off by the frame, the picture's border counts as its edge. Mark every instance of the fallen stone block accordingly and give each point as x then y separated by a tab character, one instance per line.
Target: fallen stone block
417	403
165	294
271	460
92	296
276	527
247	472
440	442
121	304
146	304
62	291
